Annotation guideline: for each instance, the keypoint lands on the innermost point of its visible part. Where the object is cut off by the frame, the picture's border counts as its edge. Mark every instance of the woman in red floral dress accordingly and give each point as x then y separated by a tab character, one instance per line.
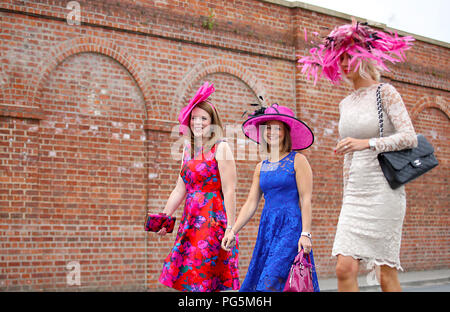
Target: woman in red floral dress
207	183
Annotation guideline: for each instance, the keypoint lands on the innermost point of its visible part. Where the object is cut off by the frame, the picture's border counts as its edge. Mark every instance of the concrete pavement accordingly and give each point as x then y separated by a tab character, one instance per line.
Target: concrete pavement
407	280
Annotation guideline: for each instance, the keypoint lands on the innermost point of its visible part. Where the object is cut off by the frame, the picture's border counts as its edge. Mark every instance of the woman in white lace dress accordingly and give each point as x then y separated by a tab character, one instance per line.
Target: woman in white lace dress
371	218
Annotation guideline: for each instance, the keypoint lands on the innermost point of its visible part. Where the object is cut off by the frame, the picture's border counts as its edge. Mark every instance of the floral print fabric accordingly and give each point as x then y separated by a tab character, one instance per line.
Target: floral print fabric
197	262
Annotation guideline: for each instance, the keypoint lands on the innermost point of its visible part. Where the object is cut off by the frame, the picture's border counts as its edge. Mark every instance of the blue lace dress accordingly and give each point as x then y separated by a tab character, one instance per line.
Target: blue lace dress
279	229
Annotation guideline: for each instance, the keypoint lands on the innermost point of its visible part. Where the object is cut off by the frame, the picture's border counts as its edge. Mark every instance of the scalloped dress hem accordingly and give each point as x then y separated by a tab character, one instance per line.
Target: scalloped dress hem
370	261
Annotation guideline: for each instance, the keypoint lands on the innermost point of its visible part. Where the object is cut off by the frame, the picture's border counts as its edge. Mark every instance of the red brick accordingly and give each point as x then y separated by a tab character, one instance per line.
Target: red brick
76	177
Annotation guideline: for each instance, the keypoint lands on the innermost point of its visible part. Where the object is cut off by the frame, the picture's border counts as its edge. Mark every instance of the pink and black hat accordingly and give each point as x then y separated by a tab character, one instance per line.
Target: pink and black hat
359	41
301	135
202	95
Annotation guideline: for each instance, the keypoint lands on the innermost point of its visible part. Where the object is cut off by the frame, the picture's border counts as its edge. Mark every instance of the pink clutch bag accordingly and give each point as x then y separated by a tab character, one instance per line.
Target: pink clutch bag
300	275
156	222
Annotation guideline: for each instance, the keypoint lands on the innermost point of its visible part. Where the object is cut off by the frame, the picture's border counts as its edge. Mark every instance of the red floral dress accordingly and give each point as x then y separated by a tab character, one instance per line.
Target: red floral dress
197	262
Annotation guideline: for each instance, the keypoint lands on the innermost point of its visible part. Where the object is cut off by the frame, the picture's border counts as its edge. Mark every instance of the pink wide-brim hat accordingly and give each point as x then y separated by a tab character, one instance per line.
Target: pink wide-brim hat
202	94
301	135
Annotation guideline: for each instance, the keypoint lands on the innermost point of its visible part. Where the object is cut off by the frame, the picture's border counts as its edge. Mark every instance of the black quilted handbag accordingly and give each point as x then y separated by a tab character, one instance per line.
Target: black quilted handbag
400	167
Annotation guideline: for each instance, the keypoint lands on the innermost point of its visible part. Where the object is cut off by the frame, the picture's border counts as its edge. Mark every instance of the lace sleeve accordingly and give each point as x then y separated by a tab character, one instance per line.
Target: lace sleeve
404	136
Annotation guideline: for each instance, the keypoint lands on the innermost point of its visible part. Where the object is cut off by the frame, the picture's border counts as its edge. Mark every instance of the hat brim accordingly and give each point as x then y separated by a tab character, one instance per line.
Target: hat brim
301	135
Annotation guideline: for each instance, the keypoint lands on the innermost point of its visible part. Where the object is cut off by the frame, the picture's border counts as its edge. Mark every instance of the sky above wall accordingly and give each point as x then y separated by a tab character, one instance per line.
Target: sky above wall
428	18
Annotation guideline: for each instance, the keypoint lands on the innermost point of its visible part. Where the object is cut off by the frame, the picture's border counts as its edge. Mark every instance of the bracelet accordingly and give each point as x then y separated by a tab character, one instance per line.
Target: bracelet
229	227
307	234
372	144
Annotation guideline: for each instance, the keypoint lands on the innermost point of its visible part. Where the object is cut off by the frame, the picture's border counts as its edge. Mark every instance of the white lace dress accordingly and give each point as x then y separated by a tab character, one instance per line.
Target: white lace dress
371	218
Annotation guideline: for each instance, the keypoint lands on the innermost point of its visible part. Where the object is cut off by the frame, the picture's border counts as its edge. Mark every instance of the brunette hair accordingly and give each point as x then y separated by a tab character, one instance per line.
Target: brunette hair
286	144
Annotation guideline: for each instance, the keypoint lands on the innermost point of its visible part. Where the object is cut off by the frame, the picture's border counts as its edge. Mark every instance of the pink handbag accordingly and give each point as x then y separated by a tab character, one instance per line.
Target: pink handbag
300	275
156	222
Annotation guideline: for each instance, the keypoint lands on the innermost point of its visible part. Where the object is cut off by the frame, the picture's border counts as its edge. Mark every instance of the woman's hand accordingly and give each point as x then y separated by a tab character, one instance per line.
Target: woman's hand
305	243
229	240
162	232
349	145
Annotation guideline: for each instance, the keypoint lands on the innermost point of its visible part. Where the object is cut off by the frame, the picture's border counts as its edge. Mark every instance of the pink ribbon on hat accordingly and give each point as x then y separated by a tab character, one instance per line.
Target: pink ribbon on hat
202	94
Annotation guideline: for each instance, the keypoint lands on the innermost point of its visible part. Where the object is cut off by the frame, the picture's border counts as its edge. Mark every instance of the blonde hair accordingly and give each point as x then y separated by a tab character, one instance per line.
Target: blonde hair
369	70
217	130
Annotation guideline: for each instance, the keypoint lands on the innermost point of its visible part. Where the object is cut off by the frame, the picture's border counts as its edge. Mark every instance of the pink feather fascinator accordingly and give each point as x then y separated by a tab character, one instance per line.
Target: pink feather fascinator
361	43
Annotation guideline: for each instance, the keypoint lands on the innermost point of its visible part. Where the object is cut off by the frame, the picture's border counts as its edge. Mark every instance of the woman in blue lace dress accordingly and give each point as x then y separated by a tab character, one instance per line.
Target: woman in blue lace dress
285	179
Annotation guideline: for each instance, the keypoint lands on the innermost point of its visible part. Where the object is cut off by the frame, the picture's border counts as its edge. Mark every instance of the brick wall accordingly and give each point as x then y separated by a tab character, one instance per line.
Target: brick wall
86	118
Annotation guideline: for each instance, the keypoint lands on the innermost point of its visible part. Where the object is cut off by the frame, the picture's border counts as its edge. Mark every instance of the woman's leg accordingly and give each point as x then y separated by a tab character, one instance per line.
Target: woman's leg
389	279
347	273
